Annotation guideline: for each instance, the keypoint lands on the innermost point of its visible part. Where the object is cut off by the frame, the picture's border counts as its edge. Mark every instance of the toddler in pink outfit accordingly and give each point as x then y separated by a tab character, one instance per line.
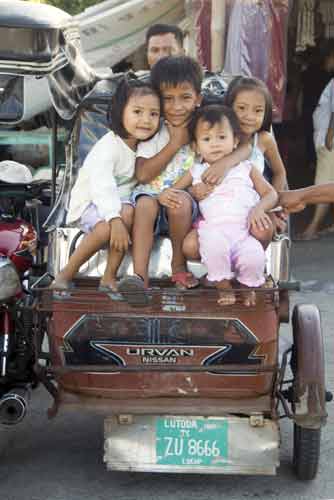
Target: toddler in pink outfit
233	207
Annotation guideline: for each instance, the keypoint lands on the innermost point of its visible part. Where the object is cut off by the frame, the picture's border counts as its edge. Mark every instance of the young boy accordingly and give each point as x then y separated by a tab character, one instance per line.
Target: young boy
161	161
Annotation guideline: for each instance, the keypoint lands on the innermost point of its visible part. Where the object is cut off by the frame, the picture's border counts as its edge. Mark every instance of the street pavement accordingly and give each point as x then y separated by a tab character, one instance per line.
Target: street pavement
62	459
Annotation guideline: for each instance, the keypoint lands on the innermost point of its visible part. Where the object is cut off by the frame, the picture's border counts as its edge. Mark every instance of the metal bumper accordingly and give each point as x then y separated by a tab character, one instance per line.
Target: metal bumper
132	444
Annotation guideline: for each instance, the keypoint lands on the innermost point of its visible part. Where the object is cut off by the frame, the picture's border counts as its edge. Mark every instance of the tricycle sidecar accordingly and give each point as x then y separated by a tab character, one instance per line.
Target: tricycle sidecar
186	385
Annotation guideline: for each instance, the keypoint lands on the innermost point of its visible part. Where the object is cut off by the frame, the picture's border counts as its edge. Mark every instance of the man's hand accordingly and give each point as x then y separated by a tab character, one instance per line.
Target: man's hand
170	198
201	190
119	235
291	201
258	219
329	139
178	135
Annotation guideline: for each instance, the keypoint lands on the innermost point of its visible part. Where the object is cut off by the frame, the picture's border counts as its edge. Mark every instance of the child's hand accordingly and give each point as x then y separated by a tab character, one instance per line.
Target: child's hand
280	220
170	198
214	174
201	190
119	235
258	219
178	135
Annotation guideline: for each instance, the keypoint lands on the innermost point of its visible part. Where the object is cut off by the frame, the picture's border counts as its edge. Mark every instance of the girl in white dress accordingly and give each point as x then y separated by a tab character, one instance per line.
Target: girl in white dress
100	199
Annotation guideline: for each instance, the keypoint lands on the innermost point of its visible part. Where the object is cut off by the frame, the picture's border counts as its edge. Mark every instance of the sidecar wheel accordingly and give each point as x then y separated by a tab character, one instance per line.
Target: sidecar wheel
306	452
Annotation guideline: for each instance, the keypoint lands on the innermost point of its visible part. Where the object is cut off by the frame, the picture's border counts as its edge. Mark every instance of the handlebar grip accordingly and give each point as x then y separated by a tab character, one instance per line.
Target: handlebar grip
289	285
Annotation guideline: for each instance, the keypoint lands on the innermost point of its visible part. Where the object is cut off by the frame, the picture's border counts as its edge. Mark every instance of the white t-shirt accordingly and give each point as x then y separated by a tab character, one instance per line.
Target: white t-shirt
179	164
106	176
322	114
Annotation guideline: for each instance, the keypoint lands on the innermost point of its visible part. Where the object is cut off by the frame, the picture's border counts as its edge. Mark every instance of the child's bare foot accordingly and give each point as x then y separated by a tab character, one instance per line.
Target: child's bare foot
226	293
249	298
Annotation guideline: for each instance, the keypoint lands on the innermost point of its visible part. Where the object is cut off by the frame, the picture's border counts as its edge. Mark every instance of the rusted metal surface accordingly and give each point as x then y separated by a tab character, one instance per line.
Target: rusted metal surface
182	345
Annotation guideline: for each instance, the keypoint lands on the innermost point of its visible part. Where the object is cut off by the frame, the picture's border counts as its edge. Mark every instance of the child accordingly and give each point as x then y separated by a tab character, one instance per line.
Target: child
161	162
252	103
100	199
234	206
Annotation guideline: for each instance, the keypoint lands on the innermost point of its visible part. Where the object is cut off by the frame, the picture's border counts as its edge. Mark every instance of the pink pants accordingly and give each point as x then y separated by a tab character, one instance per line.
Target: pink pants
229	251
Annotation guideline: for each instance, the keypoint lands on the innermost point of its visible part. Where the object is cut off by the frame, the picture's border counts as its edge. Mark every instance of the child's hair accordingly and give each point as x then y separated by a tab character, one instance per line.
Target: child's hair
213	113
240	84
174	70
128	86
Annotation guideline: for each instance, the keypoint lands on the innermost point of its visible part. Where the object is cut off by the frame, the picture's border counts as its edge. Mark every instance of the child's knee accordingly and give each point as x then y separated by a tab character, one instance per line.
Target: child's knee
147	205
190	245
252	261
127	214
264	236
184	210
102	231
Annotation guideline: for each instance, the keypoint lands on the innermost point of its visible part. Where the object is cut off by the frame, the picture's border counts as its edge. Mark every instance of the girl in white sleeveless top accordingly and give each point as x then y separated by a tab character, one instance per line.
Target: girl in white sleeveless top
252	103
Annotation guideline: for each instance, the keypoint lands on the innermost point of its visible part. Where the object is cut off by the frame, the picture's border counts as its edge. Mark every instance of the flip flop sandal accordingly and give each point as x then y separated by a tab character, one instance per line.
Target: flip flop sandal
133	290
112	294
184	280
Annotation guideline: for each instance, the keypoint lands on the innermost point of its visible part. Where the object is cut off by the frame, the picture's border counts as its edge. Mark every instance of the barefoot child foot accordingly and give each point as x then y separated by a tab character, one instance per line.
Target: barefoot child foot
249	298
226	293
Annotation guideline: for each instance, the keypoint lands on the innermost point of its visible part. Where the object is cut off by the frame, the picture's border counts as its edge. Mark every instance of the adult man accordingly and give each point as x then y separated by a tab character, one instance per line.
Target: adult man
163	40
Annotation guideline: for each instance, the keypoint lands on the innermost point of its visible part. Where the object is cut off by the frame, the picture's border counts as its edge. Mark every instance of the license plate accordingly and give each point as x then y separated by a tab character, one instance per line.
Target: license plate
191	441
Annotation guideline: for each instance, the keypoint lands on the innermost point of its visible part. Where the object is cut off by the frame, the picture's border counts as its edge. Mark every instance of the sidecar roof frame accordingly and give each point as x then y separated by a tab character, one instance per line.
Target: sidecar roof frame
19	14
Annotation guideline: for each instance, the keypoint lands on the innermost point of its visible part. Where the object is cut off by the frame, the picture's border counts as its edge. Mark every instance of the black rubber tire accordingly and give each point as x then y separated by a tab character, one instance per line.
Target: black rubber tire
306	452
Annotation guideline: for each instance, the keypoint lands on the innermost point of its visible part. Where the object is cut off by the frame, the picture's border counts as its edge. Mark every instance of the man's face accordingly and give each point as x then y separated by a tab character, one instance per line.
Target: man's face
161	46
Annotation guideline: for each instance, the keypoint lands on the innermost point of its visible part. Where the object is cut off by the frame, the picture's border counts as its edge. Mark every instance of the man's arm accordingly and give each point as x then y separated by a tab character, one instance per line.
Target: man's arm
295	201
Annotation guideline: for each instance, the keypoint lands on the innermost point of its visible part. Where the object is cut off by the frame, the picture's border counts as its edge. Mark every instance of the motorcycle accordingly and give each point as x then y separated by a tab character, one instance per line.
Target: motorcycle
20	260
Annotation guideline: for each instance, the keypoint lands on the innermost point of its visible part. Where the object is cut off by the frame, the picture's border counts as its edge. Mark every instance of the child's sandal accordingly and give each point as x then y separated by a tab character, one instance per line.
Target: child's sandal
133	290
184	280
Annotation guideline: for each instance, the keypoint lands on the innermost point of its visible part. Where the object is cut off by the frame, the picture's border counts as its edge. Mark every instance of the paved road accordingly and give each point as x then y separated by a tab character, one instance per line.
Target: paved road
62	459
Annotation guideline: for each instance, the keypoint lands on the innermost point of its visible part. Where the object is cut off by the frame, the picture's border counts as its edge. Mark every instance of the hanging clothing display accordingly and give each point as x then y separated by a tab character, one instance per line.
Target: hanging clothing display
257	44
199	13
326	9
305	25
248	39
